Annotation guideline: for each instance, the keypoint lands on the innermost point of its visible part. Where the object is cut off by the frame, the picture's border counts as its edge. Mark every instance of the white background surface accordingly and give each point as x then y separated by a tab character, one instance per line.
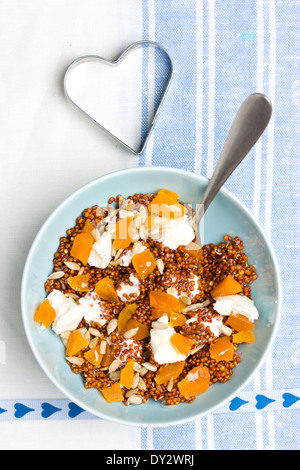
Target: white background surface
48	150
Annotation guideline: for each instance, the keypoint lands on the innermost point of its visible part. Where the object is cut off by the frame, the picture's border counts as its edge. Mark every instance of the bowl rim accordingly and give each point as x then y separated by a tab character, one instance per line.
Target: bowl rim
83	188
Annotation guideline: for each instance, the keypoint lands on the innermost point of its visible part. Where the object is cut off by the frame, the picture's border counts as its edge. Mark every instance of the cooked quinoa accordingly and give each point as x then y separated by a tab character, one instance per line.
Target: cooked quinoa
190	279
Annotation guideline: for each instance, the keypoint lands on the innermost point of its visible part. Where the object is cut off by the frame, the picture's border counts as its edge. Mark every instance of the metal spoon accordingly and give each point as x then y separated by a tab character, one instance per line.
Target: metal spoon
250	122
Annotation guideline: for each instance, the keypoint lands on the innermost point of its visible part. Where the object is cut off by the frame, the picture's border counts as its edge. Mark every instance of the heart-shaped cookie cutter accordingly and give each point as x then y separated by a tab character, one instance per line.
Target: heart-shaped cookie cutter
114	63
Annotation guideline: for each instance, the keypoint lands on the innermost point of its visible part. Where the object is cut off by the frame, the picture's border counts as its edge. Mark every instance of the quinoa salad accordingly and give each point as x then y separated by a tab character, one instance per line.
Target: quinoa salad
142	310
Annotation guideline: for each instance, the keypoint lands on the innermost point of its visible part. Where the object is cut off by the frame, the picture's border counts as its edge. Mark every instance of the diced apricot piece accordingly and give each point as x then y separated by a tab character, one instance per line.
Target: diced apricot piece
181	343
169	371
164	196
113	393
93	356
82	247
125	315
127	372
105	289
143	330
107	356
123	233
239	322
45	314
222	349
229	286
177	319
195	382
157	313
243	337
164	301
76	342
144	263
79	283
88	227
193	249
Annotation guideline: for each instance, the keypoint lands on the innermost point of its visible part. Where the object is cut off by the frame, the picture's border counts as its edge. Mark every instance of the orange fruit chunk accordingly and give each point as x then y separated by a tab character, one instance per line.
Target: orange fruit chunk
193	249
164	301
123	233
88	227
127	372
164	196
177	319
239	322
166	204
82	247
107	357
105	289
113	393
181	343
229	286
79	283
166	373
93	356
76	342
144	263
243	337
45	314
157	313
143	331
222	349
125	315
195	382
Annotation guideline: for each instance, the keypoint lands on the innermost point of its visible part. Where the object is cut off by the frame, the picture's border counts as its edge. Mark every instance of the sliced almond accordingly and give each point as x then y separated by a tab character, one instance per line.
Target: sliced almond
130	333
158	325
131	392
103	347
95	332
189	308
93	343
71	295
225	330
57	275
141	384
196	349
114	375
72	265
135	400
185	299
135	380
170	384
116	364
112	325
160	265
149	366
77	361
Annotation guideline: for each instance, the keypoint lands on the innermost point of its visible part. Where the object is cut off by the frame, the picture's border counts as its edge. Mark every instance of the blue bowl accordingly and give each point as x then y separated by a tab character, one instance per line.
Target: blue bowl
226	215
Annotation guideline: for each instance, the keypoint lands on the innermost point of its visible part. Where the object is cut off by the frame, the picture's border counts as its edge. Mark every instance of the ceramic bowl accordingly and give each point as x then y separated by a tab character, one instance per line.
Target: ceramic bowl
226	215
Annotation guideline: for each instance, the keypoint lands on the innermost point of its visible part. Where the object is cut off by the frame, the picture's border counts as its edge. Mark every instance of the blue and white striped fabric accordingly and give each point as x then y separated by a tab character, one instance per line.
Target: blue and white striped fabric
222	52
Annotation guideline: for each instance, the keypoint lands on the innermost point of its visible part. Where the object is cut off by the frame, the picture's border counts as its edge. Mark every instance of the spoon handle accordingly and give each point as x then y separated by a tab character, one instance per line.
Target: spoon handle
251	120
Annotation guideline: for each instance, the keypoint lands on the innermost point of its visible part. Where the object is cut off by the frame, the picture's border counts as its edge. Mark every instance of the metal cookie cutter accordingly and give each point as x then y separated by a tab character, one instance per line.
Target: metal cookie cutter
115	63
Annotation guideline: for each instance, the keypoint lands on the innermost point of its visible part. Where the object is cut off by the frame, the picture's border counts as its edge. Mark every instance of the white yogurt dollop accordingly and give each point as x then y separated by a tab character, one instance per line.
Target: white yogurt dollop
128	289
161	346
69	313
173	232
236	304
100	255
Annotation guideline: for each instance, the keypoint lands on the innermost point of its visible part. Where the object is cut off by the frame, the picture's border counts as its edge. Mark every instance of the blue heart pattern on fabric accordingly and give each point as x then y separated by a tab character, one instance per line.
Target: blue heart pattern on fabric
48	410
289	399
236	403
262	401
74	410
21	410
